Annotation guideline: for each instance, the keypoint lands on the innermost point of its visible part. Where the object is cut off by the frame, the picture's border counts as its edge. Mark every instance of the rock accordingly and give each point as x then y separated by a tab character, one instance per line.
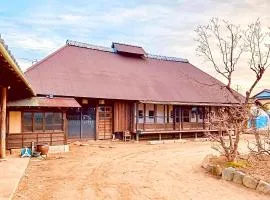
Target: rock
15	152
217	170
228	173
250	182
206	161
155	142
238	177
180	141
168	141
263	187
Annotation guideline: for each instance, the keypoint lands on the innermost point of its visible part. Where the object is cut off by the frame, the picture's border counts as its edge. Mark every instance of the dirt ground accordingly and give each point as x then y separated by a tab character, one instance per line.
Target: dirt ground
106	170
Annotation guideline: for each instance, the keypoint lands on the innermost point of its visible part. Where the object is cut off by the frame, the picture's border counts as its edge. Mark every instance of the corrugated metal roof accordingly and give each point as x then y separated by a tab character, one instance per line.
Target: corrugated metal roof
86	71
45	102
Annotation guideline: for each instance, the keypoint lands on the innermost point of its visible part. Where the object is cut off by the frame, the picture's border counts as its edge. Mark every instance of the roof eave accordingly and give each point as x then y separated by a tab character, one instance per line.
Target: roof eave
14	66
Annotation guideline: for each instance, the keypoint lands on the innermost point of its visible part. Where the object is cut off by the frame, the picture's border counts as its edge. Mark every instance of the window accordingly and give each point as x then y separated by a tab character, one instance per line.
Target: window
27	122
185	115
48	121
200	112
151	114
57	121
140	113
42	121
38	121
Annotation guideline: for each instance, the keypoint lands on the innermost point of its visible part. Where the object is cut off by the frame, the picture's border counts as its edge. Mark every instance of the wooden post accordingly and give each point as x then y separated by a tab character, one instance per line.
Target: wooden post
209	118
179	117
65	126
203	117
136	115
155	116
164	116
144	115
97	123
3	101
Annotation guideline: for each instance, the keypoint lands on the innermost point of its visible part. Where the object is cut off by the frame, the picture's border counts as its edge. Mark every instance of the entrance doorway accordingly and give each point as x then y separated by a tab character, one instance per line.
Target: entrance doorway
104	122
82	123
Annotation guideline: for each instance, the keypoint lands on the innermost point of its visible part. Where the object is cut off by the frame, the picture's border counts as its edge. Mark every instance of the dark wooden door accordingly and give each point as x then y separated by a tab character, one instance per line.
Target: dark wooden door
104	122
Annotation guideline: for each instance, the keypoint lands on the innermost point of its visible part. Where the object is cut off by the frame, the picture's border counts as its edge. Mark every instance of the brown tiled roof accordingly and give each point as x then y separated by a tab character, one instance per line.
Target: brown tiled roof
45	102
83	70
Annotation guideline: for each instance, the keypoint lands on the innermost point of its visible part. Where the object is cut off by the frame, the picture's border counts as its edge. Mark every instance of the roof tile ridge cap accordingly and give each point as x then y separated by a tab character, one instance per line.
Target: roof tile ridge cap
167	58
89	46
44	59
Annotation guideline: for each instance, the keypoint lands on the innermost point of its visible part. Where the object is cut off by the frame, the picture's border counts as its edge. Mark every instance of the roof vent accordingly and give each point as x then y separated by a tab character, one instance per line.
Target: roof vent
127	49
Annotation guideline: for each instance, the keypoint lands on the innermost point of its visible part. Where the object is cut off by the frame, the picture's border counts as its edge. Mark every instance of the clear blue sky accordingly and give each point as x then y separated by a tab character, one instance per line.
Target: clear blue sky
33	29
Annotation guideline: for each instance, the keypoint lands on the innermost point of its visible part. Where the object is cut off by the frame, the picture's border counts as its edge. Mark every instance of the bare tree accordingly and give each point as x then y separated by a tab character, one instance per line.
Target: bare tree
258	46
223	45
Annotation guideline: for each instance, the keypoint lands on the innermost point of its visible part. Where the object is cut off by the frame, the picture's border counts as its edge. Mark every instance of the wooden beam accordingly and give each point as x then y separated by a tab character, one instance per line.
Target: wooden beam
164	116
144	114
136	115
3	105
155	116
65	126
203	117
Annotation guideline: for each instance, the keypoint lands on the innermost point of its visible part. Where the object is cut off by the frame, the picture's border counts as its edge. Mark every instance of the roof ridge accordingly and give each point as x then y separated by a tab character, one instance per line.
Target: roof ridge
89	46
167	58
111	50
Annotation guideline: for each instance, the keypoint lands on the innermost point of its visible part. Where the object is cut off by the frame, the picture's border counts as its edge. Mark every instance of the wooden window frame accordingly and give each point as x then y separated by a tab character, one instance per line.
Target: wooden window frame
43	122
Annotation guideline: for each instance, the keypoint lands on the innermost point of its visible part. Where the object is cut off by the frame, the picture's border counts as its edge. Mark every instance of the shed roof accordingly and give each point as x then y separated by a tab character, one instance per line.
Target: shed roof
45	102
83	70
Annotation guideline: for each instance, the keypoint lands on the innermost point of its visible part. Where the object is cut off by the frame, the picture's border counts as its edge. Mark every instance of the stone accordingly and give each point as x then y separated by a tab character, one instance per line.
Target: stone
250	182
168	141
263	187
180	141
59	149
238	177
206	161
155	142
228	173
15	152
217	170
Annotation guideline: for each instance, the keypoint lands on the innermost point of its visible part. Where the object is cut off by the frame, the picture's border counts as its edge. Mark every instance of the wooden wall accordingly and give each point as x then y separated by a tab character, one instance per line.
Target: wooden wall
19	140
16	138
123	116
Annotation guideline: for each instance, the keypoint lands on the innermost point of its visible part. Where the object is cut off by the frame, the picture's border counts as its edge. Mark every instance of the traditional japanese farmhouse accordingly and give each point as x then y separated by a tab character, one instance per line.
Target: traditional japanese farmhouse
92	92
